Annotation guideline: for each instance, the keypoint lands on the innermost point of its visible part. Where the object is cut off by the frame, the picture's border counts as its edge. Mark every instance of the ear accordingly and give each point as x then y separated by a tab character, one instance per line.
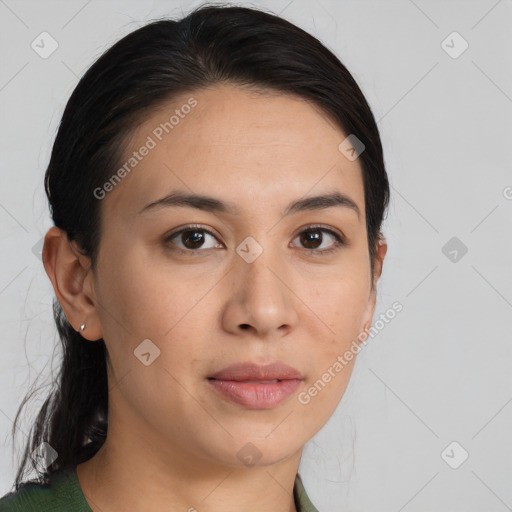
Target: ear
73	283
380	254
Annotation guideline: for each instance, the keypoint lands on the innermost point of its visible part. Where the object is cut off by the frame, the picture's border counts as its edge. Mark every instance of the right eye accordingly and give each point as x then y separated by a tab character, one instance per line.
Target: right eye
192	239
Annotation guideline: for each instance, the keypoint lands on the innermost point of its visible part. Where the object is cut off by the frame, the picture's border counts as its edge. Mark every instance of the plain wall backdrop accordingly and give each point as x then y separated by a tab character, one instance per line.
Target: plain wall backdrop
425	424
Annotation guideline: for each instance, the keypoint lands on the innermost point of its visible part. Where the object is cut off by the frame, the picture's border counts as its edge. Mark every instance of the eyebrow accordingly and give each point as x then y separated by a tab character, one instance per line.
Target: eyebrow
214	205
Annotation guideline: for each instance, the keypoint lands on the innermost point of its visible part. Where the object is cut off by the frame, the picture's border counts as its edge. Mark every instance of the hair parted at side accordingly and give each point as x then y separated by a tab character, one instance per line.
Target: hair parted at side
146	68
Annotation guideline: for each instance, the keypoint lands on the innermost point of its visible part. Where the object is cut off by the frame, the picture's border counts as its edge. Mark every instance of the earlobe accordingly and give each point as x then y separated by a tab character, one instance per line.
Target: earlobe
67	271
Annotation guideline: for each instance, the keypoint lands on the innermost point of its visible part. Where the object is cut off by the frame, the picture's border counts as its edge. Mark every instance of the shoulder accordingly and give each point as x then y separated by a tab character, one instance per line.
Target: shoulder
31	495
302	501
61	494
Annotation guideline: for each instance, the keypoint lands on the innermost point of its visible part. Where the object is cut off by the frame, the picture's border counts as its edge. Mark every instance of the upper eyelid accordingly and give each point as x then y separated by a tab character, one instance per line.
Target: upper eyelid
189	227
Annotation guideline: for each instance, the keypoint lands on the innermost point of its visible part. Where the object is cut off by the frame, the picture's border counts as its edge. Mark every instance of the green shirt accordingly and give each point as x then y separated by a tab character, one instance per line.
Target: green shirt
65	495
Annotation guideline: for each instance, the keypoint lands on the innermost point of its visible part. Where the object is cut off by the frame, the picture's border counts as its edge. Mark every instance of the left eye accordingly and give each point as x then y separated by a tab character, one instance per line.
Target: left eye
312	238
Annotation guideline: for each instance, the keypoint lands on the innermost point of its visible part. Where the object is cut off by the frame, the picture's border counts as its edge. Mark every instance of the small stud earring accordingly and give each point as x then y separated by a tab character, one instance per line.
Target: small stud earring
82	327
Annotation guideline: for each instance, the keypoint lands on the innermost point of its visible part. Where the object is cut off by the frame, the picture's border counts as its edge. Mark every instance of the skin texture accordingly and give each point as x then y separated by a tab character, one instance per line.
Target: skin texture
172	442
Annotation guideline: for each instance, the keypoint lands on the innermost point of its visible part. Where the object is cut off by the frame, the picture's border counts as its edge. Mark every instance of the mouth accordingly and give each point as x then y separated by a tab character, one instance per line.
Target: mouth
256	386
253	381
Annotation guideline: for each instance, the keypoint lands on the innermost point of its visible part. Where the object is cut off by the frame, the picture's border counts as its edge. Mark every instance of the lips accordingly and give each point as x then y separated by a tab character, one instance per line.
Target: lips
256	386
251	372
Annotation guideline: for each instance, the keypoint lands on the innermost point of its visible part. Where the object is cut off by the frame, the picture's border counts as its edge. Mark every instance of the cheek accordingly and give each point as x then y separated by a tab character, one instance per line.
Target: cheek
325	385
152	301
340	302
349	309
146	296
341	299
156	304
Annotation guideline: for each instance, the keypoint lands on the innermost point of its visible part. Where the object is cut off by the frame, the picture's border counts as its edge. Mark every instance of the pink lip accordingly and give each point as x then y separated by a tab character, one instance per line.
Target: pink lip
256	372
248	384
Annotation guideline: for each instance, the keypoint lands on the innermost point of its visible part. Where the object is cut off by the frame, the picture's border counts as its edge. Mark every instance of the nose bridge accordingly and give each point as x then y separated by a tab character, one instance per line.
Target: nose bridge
261	262
260	281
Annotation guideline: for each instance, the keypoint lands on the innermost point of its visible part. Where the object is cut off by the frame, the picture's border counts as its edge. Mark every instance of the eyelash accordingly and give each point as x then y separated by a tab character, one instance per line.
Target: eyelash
338	243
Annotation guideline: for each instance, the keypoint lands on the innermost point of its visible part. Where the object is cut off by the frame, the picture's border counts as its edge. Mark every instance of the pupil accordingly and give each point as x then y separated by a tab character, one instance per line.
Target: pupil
196	240
312	234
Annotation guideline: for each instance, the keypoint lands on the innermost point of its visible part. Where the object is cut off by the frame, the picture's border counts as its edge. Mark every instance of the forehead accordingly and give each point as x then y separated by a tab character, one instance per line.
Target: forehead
255	148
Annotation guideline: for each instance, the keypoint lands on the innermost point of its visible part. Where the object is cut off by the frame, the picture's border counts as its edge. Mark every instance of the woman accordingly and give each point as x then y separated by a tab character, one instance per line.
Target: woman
217	186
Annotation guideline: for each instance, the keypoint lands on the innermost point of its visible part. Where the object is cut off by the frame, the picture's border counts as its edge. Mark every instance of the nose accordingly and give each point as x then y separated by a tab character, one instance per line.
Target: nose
262	298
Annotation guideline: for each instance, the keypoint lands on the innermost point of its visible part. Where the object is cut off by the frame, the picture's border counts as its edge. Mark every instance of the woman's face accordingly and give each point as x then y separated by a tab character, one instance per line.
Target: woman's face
245	284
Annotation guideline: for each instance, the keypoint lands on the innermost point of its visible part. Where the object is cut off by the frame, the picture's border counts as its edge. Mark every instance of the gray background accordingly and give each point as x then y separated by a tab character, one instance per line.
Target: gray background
439	372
